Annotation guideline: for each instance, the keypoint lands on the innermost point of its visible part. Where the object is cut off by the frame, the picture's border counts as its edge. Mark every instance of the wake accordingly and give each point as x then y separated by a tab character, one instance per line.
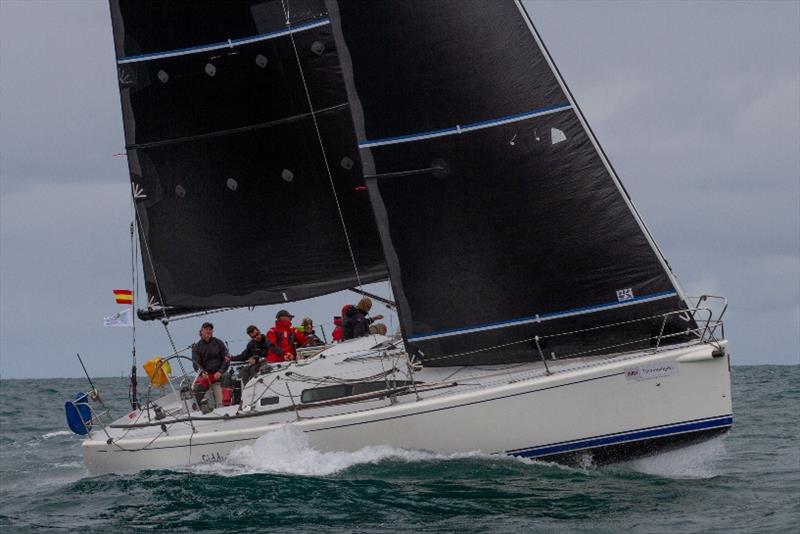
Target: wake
288	451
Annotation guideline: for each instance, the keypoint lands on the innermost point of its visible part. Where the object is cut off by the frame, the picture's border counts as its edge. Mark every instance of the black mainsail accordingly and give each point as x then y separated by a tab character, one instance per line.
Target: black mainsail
227	107
501	219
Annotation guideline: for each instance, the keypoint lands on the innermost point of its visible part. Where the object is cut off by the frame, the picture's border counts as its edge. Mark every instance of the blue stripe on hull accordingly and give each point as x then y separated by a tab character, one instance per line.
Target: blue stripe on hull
623	437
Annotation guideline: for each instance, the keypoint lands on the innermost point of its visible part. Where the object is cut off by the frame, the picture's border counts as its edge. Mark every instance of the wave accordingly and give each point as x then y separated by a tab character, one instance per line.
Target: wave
70	464
56	433
698	461
288	451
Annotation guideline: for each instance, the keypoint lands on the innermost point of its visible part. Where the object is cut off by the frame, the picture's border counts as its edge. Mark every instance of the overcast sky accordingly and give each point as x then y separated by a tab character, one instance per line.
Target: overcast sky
696	104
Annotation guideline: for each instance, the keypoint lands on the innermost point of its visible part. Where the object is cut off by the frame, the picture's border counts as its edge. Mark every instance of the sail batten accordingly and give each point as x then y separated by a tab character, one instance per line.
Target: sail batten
459	128
230	43
233	131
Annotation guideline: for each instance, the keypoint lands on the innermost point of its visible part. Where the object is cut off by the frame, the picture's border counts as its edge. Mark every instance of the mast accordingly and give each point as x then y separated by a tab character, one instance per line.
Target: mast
135	289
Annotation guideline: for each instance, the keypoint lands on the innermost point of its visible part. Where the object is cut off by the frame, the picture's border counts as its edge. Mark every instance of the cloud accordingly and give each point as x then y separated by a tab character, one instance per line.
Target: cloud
695	103
613	97
773	114
59	100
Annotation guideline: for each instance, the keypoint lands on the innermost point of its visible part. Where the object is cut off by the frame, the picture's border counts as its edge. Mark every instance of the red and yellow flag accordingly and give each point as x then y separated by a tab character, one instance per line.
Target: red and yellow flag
123	296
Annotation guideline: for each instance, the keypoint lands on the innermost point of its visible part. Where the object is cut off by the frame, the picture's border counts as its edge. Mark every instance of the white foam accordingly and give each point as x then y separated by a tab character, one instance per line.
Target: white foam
56	433
584	467
69	464
701	460
287	451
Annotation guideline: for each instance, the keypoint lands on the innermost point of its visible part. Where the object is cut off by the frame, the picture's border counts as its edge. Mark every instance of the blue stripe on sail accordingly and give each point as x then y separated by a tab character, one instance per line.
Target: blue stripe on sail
407	138
544	316
465	128
225	44
622	437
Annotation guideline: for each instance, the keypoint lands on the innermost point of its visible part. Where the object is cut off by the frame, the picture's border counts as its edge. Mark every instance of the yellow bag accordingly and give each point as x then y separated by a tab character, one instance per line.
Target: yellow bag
157	370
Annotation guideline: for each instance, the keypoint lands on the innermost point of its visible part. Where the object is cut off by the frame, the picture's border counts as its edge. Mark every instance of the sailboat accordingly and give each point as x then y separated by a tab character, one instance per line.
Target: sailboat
433	144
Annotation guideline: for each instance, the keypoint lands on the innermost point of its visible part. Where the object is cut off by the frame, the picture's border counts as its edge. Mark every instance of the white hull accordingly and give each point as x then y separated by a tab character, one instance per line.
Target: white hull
591	404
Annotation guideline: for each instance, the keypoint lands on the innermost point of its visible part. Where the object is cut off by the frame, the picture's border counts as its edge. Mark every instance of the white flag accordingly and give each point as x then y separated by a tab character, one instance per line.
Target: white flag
123	318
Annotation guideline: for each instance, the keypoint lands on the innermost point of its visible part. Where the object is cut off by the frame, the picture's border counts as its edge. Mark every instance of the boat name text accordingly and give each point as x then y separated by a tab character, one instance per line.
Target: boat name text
646	372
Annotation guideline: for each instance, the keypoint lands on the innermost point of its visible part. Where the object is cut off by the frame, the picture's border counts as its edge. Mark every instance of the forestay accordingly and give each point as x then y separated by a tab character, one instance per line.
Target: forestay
499	217
243	161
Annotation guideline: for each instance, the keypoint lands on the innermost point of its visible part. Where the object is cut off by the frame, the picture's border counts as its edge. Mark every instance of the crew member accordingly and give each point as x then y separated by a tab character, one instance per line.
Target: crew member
283	339
337	328
211	358
355	322
307	328
254	354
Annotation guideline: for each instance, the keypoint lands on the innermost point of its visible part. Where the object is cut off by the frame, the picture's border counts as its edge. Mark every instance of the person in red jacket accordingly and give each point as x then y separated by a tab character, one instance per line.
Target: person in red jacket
283	339
337	331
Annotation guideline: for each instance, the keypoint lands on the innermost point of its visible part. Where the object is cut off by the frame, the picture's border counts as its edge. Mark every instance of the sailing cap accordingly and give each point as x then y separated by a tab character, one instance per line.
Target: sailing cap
284	313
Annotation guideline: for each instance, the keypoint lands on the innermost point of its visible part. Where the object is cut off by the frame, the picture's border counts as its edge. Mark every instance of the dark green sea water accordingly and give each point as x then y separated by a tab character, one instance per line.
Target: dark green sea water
747	481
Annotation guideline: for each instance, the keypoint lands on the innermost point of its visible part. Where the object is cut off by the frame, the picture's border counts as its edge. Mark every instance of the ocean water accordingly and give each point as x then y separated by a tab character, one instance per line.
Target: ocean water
745	481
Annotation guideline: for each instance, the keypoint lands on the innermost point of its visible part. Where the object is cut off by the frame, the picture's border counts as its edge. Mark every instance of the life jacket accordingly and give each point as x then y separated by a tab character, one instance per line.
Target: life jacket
279	338
337	332
283	340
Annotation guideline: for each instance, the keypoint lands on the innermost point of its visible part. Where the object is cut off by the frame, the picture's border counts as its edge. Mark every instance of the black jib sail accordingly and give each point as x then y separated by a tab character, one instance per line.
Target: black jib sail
227	107
500	218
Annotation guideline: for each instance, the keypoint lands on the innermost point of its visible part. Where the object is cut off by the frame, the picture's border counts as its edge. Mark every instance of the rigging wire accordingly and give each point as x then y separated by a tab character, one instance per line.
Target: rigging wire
569	355
285	4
